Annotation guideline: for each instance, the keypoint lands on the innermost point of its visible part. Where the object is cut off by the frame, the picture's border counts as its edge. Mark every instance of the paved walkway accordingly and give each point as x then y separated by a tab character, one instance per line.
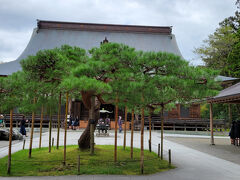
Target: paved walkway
191	164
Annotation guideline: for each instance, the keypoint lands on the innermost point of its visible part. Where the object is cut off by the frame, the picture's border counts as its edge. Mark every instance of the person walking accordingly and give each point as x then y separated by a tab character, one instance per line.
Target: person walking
120	123
22	126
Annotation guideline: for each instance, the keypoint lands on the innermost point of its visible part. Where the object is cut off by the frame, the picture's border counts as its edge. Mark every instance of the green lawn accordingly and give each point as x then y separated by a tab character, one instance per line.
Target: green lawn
43	163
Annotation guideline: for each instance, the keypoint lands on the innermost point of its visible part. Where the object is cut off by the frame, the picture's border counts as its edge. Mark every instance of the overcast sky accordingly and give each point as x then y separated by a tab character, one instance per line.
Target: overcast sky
192	20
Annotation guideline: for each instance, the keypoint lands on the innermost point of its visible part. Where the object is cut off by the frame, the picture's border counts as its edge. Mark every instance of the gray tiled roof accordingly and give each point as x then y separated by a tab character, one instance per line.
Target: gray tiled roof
51	38
228	92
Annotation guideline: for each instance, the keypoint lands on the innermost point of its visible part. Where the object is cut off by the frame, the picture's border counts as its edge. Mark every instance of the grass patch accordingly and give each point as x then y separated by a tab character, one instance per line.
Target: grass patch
43	163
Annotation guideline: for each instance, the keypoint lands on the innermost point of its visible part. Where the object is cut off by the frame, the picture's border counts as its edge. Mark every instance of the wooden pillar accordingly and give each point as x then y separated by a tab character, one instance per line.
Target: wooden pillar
125	129
230	114
65	132
211	123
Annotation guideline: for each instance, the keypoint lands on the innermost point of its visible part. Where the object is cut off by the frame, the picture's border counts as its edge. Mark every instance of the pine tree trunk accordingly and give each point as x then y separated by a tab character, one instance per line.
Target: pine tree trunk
84	140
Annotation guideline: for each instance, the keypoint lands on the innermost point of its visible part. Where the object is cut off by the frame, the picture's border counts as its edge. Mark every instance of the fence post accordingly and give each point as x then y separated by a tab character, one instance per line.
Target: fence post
159	150
78	164
169	157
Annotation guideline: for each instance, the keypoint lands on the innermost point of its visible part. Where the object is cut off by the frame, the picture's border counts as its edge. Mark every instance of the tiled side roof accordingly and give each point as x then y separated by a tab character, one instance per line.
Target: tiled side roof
229	94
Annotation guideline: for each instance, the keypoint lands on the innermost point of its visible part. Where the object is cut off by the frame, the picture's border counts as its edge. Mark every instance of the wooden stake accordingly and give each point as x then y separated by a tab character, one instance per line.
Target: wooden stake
41	123
142	140
162	128
211	123
32	130
132	128
116	123
159	150
125	129
10	142
169	157
59	115
65	132
24	141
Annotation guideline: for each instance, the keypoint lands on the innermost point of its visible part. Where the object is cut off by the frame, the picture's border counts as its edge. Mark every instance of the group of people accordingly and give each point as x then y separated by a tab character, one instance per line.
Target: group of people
105	123
73	122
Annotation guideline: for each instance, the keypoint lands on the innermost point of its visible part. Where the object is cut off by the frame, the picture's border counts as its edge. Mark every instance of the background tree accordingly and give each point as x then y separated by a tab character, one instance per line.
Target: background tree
216	49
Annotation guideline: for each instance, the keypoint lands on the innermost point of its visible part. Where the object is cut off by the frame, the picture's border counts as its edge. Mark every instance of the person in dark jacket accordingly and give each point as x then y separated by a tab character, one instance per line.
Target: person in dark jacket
22	126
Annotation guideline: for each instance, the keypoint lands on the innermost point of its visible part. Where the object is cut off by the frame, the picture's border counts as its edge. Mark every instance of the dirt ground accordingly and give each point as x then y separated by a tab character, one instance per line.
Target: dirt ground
222	148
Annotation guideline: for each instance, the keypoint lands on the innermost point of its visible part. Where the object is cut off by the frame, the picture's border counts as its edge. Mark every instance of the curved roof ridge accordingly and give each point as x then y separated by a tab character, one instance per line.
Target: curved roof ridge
43	24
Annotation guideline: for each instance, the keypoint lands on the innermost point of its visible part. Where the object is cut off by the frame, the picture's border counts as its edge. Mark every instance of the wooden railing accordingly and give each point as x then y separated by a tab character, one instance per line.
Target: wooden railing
169	124
18	117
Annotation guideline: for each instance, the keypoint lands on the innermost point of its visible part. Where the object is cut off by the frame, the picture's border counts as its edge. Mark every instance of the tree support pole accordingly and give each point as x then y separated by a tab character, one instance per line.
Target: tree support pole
116	123
162	128
150	129
59	116
125	129
32	130
142	140
41	122
50	131
65	132
10	143
132	128
211	123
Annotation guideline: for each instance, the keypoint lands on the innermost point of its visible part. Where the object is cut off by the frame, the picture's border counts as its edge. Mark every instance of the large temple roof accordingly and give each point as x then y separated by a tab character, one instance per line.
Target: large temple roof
51	34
